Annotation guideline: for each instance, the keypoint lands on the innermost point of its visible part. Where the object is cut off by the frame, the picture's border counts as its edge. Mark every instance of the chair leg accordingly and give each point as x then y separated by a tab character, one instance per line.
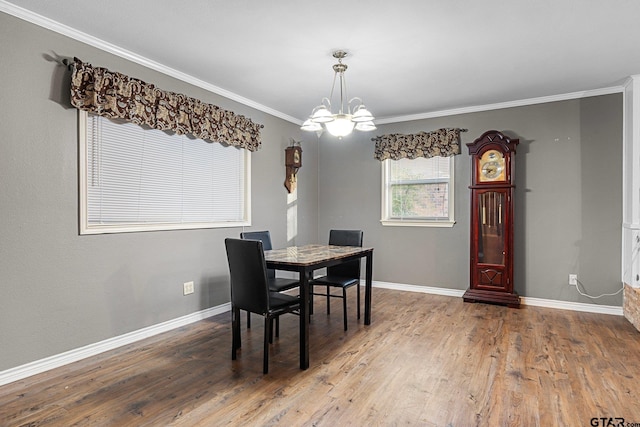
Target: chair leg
267	334
235	332
248	320
278	327
344	306
310	294
270	331
328	301
358	298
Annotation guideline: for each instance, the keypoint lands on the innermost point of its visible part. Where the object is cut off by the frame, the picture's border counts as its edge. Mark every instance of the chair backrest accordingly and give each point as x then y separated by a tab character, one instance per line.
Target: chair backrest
247	267
346	238
265	238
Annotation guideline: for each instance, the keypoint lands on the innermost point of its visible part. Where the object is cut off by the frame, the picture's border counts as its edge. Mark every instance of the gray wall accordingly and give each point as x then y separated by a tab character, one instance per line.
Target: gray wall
59	290
568	200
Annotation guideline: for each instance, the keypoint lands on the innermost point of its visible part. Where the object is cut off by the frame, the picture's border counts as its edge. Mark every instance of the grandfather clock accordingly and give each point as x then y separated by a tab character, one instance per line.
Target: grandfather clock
492	189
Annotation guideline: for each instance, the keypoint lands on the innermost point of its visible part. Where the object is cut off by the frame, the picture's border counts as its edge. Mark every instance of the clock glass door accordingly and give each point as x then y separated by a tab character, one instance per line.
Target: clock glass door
491	227
491	251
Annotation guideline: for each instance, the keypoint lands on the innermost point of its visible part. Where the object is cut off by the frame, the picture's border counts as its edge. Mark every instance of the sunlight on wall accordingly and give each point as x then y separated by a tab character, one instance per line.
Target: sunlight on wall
292	217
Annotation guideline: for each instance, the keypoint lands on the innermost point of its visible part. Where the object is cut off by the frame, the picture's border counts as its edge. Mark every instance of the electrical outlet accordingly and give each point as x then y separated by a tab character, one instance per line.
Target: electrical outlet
573	279
187	288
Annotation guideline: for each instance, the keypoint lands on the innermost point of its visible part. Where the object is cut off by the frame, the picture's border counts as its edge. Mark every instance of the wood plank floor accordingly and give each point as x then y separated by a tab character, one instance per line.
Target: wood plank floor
425	360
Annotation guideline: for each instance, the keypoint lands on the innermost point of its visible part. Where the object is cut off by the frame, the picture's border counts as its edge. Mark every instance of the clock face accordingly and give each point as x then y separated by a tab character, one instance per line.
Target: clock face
491	166
293	157
491	169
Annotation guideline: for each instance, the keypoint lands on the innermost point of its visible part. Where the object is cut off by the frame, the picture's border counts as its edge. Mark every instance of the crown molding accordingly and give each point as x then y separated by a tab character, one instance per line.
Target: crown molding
65	30
80	36
630	80
500	105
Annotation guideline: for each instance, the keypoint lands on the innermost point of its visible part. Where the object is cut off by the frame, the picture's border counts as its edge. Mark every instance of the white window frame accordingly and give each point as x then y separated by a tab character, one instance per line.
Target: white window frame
86	228
387	220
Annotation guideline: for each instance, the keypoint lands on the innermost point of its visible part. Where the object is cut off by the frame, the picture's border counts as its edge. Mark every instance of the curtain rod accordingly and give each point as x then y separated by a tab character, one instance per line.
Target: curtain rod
67	63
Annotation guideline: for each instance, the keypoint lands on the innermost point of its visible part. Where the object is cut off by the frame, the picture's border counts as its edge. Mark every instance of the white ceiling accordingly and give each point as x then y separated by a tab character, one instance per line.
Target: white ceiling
406	57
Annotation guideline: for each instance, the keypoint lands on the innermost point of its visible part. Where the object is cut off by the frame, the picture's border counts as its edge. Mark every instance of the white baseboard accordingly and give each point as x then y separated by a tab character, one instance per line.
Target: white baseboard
415	288
538	302
574	306
56	361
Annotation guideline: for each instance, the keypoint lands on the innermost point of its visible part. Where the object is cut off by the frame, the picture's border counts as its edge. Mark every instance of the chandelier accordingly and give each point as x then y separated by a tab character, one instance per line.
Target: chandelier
351	115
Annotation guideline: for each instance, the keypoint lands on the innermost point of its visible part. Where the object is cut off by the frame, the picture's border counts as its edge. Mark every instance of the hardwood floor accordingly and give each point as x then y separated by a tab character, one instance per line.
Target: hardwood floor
425	360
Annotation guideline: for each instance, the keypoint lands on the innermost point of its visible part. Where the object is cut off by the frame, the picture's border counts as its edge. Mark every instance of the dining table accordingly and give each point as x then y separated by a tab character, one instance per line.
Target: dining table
305	260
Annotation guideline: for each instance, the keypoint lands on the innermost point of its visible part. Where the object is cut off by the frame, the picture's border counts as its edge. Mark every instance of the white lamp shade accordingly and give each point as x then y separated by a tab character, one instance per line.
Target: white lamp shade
310	126
362	115
341	126
321	115
366	126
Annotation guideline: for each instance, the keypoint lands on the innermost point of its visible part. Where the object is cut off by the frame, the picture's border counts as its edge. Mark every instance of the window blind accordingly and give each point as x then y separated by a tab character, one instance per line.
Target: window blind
141	179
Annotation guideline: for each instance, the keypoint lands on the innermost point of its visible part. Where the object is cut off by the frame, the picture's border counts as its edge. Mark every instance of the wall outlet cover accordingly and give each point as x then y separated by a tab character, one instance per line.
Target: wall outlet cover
188	288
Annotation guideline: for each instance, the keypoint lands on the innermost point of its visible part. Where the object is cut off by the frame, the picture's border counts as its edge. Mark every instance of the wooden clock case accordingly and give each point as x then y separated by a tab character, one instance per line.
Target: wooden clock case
492	213
292	162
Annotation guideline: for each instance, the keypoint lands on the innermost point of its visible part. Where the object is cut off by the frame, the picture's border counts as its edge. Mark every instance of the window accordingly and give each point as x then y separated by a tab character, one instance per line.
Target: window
133	178
418	192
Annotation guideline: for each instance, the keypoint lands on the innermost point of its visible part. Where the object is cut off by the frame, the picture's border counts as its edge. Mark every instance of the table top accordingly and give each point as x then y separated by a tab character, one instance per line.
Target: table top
312	254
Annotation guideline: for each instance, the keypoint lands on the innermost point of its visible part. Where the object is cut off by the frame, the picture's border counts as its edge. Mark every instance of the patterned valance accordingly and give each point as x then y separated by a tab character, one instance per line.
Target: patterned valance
114	95
442	142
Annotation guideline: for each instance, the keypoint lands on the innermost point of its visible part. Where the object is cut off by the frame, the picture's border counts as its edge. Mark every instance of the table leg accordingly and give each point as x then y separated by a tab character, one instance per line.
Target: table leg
304	319
310	276
367	289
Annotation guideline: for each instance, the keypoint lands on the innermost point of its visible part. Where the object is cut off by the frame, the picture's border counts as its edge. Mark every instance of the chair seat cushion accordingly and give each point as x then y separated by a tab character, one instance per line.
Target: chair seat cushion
278	300
337	281
279	284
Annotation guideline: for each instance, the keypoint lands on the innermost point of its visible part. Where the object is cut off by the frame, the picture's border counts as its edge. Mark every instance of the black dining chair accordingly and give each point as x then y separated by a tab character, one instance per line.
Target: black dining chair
342	275
276	284
250	291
